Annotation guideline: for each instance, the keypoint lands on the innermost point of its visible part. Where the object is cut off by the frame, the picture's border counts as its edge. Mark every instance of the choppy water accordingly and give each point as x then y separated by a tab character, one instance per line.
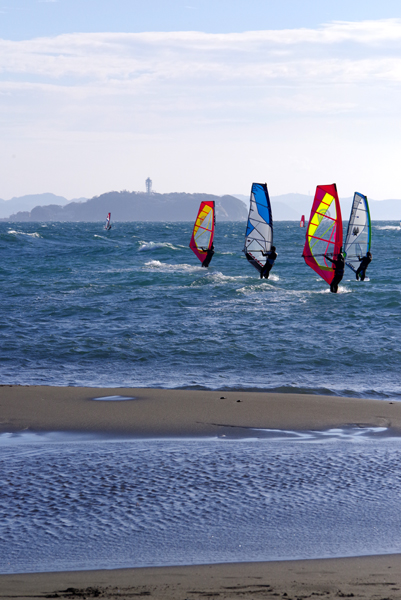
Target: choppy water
68	504
132	307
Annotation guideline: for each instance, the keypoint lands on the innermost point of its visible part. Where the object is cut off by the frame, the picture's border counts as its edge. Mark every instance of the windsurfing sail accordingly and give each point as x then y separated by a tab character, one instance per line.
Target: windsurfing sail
357	241
108	224
302	222
324	233
259	229
203	232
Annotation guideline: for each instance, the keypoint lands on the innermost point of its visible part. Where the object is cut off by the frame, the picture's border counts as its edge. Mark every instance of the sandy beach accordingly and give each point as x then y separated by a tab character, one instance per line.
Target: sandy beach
158	413
376	577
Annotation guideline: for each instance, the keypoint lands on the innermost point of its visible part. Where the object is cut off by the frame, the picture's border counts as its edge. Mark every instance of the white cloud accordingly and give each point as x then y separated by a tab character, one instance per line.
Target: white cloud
256	98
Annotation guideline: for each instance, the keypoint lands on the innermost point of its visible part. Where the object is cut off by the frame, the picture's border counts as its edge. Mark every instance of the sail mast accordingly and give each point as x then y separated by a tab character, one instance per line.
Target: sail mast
259	229
324	233
203	231
359	232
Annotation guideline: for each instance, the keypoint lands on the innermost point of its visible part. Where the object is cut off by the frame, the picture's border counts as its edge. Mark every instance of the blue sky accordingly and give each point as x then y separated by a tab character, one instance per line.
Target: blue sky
202	96
24	19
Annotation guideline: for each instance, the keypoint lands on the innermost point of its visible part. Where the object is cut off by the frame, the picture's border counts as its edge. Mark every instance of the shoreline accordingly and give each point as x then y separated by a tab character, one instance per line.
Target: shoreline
187	413
184	413
365	577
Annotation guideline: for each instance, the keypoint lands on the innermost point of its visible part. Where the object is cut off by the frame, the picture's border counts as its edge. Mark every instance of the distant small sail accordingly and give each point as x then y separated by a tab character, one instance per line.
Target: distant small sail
108	224
302	222
359	232
203	233
259	229
324	233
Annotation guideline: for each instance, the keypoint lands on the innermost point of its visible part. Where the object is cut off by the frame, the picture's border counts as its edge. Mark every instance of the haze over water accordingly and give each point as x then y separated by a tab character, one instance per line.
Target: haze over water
133	307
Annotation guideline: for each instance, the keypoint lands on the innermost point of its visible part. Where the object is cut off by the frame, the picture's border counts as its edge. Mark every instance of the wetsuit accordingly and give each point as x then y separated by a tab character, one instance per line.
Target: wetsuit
271	257
208	257
338	272
361	270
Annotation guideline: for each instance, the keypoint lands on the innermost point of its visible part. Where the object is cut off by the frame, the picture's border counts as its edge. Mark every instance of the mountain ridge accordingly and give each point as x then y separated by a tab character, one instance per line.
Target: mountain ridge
136	206
173	206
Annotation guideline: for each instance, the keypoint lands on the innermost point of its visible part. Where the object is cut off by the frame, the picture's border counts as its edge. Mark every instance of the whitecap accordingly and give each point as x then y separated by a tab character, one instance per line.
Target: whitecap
258	287
168	267
148	246
13	232
341	290
220	277
344	290
389	227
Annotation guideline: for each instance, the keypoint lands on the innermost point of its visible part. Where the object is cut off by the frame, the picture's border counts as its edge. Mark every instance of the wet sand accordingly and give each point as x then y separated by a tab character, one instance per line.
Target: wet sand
157	413
376	577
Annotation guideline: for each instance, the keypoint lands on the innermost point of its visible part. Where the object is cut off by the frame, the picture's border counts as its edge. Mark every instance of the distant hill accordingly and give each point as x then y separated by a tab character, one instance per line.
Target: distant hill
27	203
139	206
136	206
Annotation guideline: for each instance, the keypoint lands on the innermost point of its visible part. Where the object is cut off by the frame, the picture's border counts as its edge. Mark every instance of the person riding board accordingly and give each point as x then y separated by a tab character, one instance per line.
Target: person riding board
270	258
361	271
339	265
209	254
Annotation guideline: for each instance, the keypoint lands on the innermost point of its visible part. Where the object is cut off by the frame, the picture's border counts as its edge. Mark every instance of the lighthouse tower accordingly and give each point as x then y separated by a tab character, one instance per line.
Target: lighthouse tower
148	184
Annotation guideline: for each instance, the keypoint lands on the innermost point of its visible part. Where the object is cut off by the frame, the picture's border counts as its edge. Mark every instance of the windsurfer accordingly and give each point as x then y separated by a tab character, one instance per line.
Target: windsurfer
209	255
270	258
361	271
339	265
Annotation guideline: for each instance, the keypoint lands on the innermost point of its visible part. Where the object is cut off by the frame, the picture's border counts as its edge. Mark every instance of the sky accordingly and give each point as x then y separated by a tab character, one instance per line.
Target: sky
200	96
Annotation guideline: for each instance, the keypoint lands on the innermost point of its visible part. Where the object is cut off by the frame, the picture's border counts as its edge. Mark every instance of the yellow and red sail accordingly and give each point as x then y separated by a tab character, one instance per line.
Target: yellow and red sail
324	234
203	232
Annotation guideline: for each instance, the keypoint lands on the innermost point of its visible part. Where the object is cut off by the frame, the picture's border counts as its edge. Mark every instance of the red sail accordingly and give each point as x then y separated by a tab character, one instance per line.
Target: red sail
324	234
203	233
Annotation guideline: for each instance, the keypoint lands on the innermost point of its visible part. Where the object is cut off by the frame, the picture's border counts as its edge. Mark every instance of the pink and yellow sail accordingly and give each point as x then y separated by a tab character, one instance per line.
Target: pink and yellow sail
203	232
324	233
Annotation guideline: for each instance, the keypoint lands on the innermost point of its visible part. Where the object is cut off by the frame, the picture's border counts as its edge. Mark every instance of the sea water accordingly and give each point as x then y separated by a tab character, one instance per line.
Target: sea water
70	504
133	307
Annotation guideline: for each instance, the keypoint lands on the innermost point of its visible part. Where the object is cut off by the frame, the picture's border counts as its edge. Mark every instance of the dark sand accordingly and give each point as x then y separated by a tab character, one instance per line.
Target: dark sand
156	413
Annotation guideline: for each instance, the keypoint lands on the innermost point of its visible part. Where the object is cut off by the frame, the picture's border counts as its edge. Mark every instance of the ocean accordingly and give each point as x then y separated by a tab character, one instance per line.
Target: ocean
133	307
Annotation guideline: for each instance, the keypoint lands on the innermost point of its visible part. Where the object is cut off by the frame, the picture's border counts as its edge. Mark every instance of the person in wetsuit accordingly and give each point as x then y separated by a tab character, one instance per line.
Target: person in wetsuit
270	258
361	271
339	265
209	254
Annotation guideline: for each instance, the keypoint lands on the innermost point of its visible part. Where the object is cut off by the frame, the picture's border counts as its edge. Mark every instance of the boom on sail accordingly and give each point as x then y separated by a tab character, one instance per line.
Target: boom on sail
203	233
324	233
358	238
259	229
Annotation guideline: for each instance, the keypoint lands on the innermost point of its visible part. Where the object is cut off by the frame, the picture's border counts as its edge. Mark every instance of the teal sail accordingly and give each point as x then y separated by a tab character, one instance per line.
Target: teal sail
259	229
358	238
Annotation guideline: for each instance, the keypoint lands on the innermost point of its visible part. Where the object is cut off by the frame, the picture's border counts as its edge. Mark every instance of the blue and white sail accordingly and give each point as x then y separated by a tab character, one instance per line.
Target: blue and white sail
358	238
259	230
